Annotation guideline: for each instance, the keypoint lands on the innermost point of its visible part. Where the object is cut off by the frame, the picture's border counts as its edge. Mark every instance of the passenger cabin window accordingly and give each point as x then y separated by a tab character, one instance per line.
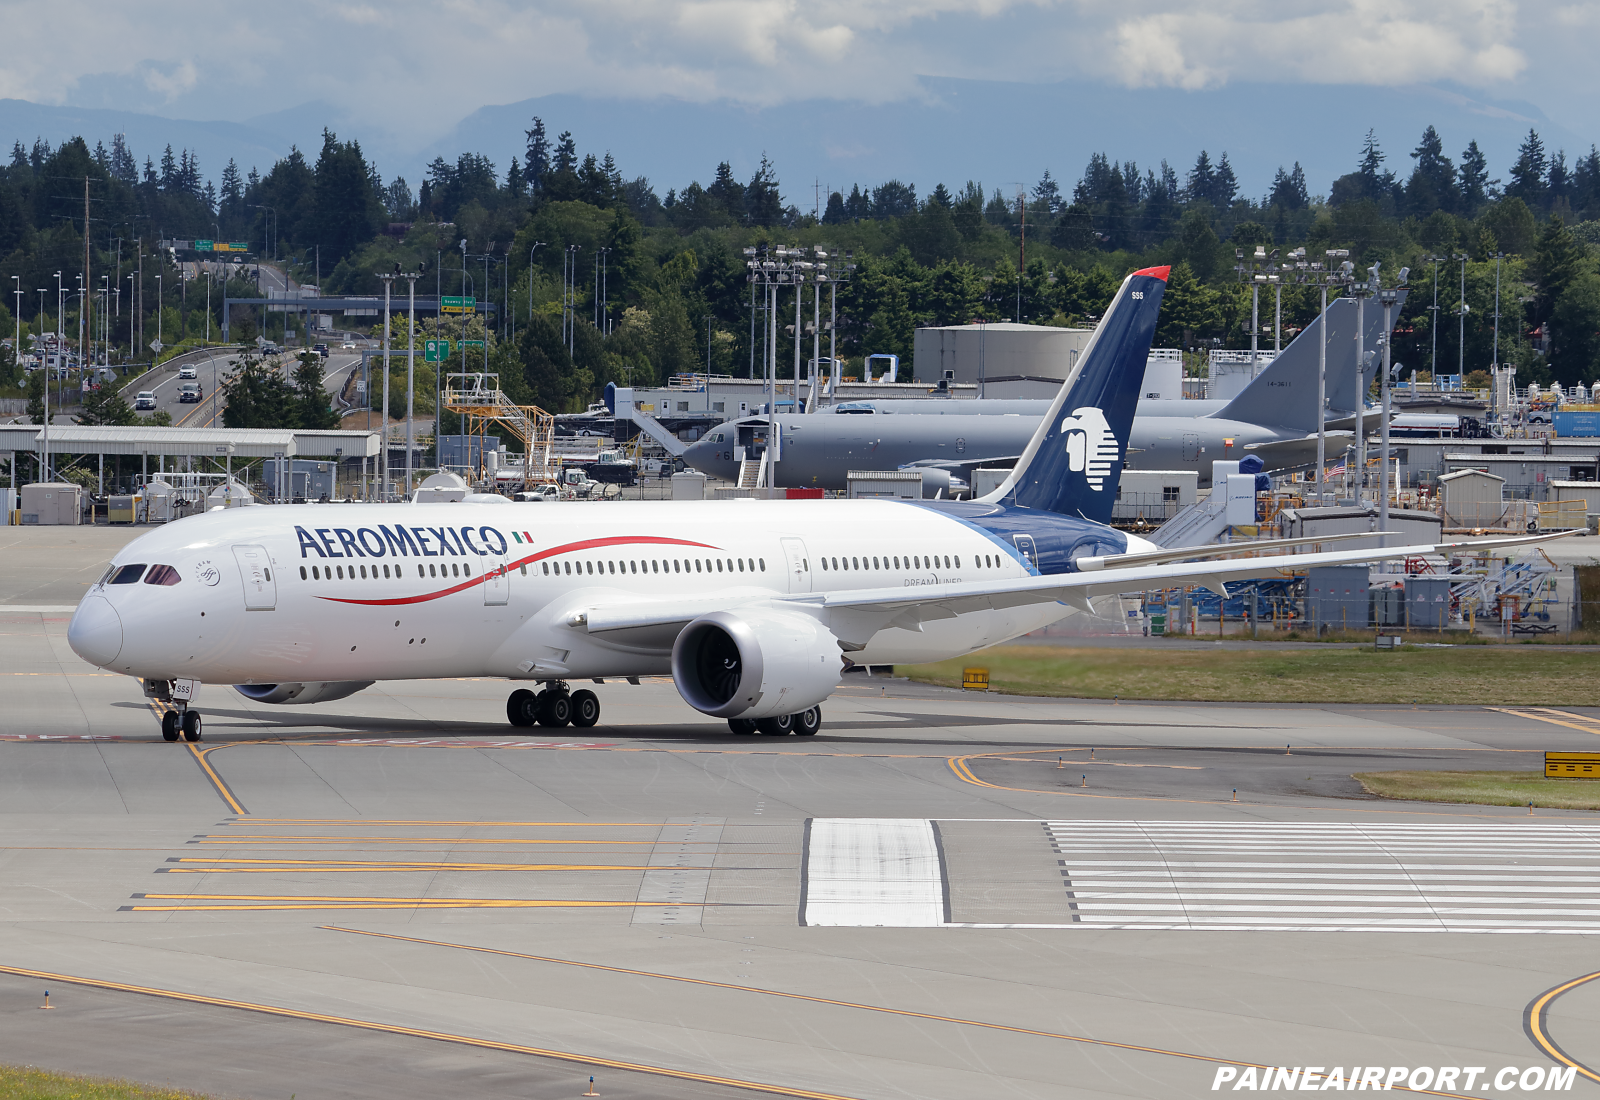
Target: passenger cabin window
128	574
163	575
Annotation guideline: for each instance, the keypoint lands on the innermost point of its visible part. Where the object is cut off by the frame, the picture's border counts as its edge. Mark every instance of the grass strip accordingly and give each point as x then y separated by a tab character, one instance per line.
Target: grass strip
1485	788
1485	676
29	1083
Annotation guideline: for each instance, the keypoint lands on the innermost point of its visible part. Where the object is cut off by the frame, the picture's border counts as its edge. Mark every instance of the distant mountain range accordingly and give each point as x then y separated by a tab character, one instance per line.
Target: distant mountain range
998	133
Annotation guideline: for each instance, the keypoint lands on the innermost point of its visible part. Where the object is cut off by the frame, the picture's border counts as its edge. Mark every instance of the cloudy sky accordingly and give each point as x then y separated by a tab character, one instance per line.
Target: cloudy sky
409	71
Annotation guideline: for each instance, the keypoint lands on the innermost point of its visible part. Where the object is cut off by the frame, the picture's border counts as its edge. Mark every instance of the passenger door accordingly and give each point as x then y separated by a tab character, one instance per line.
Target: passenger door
255	567
794	552
496	580
1191	447
1027	549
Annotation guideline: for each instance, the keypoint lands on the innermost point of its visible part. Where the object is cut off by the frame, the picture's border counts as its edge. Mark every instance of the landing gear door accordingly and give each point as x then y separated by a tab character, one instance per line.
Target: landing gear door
1026	548
794	553
255	567
496	580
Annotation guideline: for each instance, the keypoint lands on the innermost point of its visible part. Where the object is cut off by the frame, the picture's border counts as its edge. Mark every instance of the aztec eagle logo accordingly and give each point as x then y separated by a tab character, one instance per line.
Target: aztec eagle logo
1091	447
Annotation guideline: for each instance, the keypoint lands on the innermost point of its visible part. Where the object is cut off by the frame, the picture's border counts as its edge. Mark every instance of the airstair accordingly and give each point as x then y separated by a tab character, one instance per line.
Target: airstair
750	472
477	396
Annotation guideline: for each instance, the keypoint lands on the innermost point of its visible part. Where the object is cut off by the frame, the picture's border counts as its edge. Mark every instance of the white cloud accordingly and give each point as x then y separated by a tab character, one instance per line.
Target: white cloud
409	66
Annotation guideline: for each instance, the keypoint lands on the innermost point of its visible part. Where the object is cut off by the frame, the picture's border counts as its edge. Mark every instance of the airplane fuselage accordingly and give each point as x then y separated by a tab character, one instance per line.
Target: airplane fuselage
352	592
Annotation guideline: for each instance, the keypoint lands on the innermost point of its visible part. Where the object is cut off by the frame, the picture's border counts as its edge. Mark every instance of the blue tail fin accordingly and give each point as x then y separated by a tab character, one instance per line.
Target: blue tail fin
1074	460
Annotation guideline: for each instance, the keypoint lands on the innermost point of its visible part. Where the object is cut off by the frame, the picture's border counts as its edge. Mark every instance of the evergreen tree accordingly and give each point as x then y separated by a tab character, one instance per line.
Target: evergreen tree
1475	182
101	157
123	166
1201	185
1528	173
310	409
347	210
1432	184
1046	194
231	193
762	203
536	165
516	188
566	158
258	396
170	179
834	213
1586	186
857	207
1227	185
728	192
19	156
1558	192
1558	259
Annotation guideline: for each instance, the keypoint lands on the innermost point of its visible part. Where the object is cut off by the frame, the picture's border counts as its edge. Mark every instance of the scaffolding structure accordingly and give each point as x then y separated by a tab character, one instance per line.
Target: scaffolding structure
477	398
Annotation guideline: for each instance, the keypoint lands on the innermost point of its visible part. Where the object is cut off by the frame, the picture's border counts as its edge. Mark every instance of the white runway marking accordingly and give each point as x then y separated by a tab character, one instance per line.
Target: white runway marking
873	872
1331	876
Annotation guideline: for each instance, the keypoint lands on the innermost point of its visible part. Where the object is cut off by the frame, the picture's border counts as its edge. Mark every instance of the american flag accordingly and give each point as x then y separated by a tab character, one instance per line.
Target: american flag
1337	471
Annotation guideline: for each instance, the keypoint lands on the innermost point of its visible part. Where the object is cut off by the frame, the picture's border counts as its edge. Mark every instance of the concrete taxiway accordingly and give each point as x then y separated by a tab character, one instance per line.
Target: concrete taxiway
942	895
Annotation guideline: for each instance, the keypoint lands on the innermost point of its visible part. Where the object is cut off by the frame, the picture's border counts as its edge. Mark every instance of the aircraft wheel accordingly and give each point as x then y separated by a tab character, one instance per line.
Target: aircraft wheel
779	725
191	725
555	709
170	723
522	708
808	722
585	708
742	726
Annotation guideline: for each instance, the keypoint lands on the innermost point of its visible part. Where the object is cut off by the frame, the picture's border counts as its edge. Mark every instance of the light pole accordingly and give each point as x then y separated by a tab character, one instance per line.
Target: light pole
274	214
16	345
160	303
1495	365
605	298
1433	326
1390	298
1259	269
44	462
383	476
411	359
1461	312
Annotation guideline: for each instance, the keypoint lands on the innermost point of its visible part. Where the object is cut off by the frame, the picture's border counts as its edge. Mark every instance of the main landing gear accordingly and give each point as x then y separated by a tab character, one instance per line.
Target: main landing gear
554	707
186	722
804	723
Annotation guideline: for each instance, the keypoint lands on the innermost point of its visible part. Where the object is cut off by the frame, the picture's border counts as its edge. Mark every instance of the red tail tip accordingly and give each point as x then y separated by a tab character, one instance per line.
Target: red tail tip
1156	272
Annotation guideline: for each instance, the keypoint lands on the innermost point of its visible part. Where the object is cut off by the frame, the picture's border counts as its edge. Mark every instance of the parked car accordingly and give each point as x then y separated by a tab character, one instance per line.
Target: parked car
189	393
146	399
187	371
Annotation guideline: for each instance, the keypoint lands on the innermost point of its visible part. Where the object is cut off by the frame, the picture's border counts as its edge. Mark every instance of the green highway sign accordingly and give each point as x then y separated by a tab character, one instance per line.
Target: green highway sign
434	351
471	344
204	246
455	304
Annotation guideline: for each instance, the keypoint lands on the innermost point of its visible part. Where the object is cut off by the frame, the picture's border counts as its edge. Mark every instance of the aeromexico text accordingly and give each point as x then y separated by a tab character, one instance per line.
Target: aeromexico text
401	542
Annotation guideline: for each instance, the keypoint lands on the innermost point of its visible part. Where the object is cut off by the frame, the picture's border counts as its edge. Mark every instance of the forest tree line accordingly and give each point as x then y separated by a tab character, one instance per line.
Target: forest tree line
674	282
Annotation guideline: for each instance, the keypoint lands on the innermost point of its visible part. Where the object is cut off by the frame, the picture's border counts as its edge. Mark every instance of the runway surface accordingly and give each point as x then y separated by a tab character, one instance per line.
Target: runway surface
942	895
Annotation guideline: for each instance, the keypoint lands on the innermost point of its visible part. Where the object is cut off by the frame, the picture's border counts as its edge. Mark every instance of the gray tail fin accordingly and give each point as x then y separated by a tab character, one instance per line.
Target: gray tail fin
1285	393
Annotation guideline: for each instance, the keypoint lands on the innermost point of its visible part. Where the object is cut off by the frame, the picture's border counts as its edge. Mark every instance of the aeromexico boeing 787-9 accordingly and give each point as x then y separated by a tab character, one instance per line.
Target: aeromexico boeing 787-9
753	607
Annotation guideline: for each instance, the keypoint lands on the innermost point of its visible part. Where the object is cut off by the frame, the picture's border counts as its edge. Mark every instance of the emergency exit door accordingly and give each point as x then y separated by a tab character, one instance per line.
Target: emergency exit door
794	552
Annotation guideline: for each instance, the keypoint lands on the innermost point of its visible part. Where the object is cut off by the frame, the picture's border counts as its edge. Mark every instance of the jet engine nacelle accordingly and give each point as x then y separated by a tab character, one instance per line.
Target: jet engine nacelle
296	694
755	664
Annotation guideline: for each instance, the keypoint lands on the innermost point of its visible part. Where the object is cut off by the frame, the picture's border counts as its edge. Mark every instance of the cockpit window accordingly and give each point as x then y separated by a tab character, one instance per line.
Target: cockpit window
128	574
162	574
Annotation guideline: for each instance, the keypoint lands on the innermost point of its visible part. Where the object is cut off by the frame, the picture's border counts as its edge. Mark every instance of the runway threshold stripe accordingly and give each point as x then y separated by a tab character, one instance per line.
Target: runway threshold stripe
1571	721
1063	1036
437	1036
223	838
341	866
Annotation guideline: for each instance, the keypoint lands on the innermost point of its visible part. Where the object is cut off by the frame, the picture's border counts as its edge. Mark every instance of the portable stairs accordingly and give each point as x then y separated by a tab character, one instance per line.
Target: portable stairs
750	471
477	396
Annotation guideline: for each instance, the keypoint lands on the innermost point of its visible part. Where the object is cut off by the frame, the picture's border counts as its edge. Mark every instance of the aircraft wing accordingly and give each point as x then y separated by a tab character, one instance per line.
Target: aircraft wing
1281	453
856	616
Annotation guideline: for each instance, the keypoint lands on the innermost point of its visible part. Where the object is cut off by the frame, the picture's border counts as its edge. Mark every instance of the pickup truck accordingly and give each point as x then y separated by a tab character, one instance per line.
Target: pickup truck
146	399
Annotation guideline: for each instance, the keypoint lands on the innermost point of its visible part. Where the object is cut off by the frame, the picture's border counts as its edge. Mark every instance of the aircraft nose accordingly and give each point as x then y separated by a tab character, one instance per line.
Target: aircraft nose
95	633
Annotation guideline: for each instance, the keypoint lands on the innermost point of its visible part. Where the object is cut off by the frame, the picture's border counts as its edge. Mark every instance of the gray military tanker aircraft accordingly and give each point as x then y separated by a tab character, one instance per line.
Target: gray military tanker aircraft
1274	416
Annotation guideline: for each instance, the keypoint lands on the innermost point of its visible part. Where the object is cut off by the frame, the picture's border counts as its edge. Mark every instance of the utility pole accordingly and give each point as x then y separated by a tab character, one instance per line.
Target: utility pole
411	384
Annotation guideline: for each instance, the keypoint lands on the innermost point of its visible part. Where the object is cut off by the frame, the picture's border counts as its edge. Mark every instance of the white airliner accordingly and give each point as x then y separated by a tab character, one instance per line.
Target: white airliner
753	607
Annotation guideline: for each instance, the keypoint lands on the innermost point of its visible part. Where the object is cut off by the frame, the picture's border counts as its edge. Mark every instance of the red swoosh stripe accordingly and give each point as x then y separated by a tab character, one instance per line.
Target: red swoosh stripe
566	548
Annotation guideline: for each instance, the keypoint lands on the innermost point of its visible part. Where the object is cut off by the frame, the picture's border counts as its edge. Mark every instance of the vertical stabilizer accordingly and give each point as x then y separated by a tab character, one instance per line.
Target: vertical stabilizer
1074	460
1284	395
